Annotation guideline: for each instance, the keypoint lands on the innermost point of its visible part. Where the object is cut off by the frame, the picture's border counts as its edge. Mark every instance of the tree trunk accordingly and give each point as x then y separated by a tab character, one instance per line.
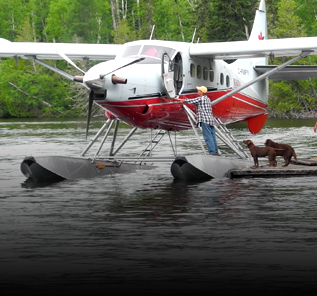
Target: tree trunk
139	19
33	26
114	24
181	26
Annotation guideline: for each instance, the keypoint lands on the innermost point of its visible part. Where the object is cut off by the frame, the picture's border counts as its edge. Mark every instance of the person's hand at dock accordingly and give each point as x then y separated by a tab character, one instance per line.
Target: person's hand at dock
182	100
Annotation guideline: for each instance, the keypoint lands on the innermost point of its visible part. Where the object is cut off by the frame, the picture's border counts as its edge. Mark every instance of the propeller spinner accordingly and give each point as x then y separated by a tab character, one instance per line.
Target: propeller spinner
98	84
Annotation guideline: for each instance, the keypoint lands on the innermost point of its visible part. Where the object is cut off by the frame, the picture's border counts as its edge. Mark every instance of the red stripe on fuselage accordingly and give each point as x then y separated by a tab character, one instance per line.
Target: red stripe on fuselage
166	114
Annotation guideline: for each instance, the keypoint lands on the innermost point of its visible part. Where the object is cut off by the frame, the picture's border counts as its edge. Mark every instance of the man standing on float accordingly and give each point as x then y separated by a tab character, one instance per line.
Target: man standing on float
205	118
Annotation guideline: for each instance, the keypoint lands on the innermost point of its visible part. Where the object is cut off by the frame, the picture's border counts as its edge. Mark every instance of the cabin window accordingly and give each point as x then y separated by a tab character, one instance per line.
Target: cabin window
227	81
198	71
192	70
205	73
221	78
211	74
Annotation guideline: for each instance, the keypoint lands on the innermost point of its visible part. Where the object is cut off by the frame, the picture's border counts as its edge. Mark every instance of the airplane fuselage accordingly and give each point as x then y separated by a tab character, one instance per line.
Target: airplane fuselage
144	100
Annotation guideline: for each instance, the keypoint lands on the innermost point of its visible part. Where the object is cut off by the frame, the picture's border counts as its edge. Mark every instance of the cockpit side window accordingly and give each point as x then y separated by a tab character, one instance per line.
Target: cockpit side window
156	51
147	50
152	53
131	51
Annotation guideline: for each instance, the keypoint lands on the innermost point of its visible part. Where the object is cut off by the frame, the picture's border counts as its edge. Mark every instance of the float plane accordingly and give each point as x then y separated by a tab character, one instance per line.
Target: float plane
140	83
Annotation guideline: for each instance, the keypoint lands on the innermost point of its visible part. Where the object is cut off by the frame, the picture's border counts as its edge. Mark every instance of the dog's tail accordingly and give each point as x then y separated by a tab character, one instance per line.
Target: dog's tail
294	155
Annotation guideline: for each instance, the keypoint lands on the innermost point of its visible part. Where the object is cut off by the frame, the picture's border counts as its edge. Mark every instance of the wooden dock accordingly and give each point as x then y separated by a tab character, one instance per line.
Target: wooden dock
301	167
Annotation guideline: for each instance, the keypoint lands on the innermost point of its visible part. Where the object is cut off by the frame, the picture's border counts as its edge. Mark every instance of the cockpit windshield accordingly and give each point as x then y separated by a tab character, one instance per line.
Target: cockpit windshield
154	53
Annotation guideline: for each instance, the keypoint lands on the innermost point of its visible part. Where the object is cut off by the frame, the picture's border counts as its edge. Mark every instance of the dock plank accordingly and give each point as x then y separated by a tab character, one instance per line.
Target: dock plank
301	167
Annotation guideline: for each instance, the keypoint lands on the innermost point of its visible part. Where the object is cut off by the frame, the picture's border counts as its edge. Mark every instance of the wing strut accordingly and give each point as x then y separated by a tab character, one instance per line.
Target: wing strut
58	71
261	77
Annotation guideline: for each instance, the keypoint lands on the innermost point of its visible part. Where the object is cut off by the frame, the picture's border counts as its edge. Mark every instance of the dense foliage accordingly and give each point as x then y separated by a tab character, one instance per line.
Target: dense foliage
29	90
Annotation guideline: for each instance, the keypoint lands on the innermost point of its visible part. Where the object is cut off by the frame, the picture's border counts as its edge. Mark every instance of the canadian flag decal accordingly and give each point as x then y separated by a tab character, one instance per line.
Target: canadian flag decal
260	36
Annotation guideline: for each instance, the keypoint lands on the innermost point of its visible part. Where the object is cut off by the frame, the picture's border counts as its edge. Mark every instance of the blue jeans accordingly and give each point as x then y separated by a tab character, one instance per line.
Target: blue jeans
209	137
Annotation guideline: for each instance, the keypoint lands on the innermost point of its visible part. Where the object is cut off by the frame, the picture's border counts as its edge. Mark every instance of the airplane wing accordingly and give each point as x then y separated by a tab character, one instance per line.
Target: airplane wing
50	51
254	48
293	72
263	48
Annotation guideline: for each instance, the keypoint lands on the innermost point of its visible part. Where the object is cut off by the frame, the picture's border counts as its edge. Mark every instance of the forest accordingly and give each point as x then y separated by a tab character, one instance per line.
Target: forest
29	90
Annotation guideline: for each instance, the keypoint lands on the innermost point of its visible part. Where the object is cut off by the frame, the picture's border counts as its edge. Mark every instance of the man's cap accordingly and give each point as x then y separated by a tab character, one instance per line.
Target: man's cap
202	88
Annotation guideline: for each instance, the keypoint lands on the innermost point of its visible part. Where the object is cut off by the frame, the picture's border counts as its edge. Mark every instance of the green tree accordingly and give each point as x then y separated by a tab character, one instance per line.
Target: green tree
288	24
57	29
143	21
174	19
25	32
30	91
38	12
12	14
104	20
288	96
124	33
271	14
306	10
83	20
228	20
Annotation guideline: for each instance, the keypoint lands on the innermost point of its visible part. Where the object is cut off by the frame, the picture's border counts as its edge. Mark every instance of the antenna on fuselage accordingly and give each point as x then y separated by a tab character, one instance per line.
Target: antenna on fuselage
194	35
152	32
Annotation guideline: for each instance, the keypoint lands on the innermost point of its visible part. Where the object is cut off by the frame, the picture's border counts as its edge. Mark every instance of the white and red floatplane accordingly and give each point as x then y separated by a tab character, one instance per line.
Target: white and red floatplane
140	83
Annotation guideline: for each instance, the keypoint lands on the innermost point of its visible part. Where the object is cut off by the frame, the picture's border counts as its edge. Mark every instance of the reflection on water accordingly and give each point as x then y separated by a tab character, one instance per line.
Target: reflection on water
149	233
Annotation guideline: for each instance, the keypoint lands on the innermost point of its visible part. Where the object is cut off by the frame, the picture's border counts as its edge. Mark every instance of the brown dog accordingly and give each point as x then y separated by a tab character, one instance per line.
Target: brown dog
284	150
261	152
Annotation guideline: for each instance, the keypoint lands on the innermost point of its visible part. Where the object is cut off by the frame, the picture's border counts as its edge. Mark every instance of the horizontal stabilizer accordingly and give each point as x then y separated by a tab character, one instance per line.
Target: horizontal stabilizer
255	124
292	72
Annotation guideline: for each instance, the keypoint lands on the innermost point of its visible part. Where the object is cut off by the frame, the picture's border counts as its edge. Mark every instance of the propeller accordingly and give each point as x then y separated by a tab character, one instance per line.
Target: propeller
90	102
95	84
67	59
80	79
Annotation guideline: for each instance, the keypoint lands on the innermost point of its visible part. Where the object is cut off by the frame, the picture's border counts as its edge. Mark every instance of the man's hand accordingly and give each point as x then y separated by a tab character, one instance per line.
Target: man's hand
182	100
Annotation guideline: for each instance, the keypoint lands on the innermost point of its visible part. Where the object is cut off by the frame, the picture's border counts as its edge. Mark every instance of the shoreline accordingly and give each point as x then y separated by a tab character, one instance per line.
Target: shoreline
294	115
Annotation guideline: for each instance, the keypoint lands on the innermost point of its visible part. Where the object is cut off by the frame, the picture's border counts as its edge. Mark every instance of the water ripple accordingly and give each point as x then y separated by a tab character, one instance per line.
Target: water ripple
145	231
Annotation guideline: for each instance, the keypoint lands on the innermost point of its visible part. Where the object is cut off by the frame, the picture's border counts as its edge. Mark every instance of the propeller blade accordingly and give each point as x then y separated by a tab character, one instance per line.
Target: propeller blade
91	100
67	59
133	62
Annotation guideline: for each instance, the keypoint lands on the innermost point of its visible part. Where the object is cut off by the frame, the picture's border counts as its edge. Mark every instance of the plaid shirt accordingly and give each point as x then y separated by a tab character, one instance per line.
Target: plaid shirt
204	109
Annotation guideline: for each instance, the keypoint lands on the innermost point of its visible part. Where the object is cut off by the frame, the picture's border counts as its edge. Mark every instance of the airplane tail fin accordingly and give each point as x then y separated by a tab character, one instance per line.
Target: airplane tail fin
259	89
259	29
258	33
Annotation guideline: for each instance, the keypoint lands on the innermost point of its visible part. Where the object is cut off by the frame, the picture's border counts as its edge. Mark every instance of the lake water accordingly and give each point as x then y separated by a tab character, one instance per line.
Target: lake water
145	232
